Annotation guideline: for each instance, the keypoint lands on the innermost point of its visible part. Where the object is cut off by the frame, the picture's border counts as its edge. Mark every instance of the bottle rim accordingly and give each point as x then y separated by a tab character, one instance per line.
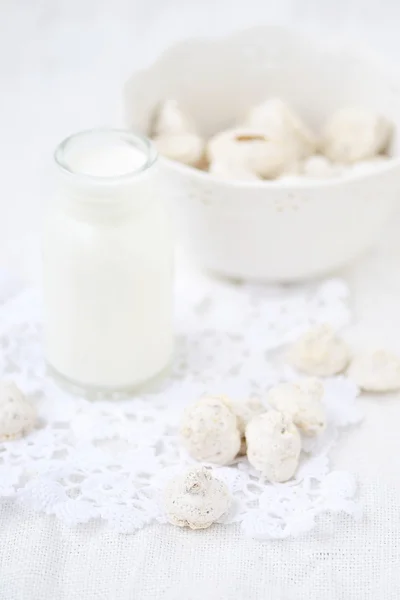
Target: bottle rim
137	141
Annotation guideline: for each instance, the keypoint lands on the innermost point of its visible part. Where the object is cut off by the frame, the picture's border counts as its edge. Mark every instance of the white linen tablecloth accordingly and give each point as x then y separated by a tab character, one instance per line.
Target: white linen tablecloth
62	67
40	558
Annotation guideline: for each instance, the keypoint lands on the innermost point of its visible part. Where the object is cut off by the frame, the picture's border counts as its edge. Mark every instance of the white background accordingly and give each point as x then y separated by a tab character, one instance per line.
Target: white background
62	67
63	64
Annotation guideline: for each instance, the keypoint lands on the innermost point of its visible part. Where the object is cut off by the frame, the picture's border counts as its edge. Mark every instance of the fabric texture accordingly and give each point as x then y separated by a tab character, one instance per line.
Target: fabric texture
342	560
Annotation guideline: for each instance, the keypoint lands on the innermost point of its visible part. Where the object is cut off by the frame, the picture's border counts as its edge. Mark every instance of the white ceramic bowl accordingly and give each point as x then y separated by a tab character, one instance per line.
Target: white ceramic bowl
272	231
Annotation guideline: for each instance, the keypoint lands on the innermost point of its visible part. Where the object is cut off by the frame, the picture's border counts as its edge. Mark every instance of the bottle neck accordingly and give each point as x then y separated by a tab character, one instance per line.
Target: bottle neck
104	203
106	174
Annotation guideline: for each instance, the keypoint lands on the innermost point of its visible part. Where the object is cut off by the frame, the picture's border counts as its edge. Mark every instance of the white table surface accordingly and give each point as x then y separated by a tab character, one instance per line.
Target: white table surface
63	64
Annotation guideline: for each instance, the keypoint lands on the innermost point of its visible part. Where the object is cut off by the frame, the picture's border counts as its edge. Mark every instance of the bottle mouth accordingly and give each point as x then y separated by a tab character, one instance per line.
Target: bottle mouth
105	156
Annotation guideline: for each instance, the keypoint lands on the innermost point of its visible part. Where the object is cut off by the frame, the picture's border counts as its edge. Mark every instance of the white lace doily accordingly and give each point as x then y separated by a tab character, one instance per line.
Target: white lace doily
110	460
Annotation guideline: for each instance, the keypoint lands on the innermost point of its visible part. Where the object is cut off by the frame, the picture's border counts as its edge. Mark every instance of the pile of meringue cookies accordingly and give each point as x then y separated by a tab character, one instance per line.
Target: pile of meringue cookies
271	142
218	430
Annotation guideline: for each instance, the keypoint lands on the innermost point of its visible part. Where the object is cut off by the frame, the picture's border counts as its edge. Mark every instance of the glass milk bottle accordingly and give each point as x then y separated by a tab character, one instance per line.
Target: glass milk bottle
108	264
